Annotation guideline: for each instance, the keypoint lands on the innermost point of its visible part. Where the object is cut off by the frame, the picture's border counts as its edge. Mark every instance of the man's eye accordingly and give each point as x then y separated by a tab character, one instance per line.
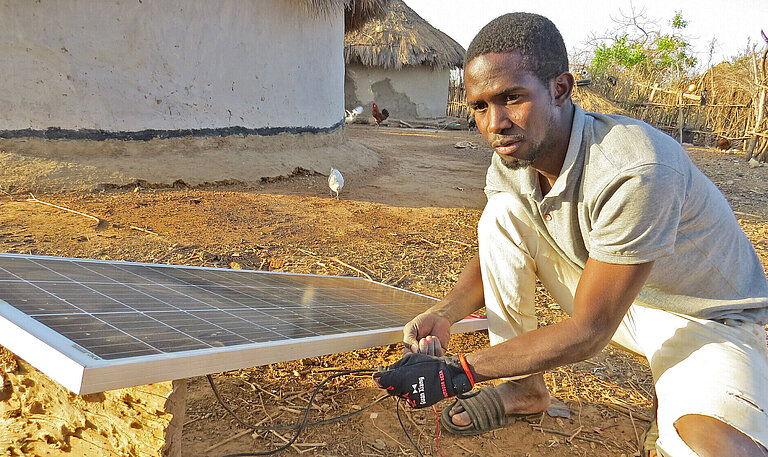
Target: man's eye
512	98
478	107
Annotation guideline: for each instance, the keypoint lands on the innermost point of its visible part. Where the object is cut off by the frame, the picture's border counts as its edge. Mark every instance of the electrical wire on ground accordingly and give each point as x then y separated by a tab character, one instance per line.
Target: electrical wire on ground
305	422
407	435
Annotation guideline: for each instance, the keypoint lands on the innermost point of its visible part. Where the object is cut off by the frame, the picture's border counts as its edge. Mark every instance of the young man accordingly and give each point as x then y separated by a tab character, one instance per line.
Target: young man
628	236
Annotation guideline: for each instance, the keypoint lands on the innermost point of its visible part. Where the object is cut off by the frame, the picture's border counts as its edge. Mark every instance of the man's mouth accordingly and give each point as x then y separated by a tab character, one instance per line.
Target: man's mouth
507	146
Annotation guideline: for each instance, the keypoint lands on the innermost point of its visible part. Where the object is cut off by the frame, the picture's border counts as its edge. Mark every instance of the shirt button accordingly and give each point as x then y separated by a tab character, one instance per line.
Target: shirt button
547	217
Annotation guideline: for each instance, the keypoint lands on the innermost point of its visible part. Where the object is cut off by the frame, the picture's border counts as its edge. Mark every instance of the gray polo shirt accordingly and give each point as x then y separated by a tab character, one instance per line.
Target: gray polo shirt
628	194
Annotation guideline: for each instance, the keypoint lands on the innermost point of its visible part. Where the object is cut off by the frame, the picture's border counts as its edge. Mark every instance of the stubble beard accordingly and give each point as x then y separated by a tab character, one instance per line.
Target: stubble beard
513	163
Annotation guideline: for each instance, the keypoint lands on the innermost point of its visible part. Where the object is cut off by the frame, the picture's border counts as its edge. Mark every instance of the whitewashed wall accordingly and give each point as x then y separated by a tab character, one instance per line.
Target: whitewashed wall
122	65
417	90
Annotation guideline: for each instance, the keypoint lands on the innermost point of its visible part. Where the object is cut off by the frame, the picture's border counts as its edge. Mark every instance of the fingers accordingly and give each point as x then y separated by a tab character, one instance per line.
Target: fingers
430	346
426	334
411	337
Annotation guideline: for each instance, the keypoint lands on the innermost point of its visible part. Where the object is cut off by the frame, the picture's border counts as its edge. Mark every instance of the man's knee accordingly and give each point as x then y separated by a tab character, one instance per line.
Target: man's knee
710	437
500	220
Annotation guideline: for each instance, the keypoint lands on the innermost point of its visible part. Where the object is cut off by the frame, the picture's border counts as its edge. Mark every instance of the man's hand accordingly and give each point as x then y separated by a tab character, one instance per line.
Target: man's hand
427	333
423	380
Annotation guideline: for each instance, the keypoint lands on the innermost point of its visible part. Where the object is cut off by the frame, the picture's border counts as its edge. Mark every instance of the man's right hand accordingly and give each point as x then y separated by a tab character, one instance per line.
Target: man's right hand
428	333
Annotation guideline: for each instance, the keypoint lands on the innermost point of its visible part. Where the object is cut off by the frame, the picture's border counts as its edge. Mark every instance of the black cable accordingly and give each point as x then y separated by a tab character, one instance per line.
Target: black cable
407	435
304	423
265	428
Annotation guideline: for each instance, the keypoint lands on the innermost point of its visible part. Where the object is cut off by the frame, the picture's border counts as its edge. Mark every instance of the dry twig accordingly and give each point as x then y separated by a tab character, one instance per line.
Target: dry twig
568	435
295	446
739	213
388	435
174	251
335	259
637	436
144	230
627	411
461	243
226	440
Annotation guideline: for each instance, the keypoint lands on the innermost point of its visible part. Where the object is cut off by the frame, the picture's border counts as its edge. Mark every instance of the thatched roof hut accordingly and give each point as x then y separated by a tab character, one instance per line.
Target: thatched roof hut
401	38
173	70
356	12
401	62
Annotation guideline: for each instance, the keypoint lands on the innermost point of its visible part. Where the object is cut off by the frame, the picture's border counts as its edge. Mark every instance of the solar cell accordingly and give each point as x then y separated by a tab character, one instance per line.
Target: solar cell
96	325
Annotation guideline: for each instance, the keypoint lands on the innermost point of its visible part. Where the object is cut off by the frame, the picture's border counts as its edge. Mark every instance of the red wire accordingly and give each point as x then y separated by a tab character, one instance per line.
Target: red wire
437	431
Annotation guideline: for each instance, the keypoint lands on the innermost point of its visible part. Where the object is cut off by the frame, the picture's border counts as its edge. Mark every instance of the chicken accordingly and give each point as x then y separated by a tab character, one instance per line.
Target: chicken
335	182
723	144
379	116
350	116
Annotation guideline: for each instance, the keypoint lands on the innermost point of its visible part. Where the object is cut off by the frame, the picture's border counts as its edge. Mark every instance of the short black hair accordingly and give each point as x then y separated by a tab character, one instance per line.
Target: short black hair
535	37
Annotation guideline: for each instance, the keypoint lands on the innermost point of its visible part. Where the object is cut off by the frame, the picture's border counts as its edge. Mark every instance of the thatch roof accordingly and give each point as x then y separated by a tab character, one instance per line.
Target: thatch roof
356	12
401	38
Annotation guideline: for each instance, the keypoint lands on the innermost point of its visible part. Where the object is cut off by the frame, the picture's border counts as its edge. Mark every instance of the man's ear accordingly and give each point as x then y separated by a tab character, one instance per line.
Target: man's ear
563	88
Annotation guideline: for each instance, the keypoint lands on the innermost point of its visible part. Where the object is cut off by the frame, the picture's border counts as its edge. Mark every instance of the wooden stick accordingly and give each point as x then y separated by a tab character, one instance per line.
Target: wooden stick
352	268
173	251
286	440
266	391
625	410
637	436
461	243
144	230
568	435
388	435
33	199
192	421
574	434
307	252
464	449
227	440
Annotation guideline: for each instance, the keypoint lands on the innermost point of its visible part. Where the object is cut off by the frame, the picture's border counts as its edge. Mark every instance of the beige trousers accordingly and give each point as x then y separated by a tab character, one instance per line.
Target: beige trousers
699	366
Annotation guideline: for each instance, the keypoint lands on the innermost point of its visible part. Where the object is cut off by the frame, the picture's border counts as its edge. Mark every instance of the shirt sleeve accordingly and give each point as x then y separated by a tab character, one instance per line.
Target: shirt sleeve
635	218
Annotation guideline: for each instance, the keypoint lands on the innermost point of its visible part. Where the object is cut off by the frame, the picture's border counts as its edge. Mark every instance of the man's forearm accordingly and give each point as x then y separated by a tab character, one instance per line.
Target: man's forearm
533	352
602	298
466	296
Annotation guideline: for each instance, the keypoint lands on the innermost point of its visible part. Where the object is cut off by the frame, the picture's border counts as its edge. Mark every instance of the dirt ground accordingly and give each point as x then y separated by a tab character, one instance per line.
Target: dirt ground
410	222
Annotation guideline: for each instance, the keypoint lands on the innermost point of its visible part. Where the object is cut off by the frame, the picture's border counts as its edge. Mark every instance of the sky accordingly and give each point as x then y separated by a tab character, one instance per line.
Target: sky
731	22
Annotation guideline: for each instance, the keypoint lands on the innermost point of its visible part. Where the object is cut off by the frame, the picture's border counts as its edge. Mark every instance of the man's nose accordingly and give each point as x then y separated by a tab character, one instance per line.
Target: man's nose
498	119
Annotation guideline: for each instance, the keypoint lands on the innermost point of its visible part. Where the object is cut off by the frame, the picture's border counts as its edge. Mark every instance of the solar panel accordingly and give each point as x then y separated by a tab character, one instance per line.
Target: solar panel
95	325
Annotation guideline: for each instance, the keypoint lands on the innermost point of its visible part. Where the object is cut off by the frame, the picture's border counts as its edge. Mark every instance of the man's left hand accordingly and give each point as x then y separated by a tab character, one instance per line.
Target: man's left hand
423	380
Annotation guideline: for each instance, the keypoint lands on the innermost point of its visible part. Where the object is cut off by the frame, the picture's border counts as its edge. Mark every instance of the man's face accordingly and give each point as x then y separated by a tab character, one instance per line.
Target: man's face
513	109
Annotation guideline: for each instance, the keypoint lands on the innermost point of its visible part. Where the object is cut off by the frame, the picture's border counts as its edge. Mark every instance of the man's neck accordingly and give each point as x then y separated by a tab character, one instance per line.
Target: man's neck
550	165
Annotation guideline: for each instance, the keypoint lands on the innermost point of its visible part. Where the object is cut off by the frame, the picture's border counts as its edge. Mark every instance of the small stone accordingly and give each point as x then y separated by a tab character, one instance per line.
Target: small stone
379	444
558	409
